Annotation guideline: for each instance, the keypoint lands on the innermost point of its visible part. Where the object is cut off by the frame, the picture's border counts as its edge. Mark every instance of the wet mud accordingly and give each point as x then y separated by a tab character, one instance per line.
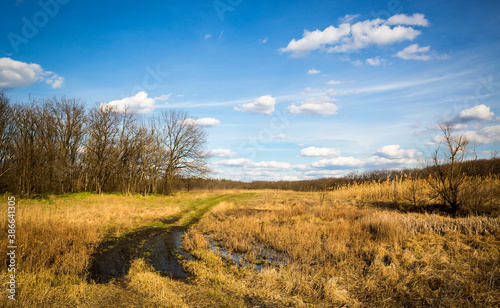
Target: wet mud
159	247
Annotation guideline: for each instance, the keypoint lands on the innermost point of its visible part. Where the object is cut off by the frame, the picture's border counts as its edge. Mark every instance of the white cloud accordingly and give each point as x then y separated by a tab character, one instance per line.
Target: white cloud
386	157
319	152
377	61
316	39
208	35
479	112
374	32
205	122
390	156
338	163
360	35
140	103
309	90
402	19
347	19
221	153
335	82
245	162
415	52
314	174
313	71
16	74
485	135
357	63
263	41
319	105
264	104
394	151
163	97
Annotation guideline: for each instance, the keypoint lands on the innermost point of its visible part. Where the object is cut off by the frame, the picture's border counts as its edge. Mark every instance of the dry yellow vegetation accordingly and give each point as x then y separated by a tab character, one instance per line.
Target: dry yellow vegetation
331	249
349	253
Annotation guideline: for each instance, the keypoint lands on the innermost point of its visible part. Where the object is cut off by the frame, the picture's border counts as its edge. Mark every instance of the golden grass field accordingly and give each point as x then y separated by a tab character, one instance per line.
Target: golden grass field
341	249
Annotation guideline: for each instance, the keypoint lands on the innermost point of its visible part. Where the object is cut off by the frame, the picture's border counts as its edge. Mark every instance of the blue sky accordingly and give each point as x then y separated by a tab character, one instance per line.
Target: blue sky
286	89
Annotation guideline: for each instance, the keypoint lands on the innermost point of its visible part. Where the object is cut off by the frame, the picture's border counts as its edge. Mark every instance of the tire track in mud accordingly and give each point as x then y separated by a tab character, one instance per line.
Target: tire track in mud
158	246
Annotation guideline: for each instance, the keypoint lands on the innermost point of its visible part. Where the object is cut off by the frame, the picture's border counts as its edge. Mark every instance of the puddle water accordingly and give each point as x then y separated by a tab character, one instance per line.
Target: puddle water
161	250
264	256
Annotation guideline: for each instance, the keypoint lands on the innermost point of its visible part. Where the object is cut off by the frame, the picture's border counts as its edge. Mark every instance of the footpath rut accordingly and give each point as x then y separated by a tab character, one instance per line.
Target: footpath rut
157	245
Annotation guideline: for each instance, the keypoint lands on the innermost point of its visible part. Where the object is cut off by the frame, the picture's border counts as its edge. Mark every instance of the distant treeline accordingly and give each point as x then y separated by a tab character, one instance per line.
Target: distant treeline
61	145
478	167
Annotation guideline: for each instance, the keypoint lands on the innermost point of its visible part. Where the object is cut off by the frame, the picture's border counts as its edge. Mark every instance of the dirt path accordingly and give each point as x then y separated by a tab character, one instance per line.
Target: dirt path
157	245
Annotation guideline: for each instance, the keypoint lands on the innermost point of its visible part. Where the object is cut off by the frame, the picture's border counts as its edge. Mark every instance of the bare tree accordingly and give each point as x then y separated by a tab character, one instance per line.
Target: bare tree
448	177
184	142
102	139
68	117
26	147
5	134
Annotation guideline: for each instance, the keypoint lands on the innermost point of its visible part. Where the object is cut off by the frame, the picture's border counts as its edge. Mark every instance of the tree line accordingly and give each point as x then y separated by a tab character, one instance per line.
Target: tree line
62	145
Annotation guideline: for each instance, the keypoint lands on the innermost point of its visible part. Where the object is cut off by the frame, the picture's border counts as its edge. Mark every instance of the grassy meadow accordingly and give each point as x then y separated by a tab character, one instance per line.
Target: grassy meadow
333	248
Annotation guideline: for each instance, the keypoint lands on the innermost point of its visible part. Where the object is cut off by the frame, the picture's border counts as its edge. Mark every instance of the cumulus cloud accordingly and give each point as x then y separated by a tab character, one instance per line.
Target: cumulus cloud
485	135
264	104
395	151
415	52
319	105
316	39
205	122
347	37
477	113
245	162
313	71
402	19
377	61
374	32
390	156
338	163
139	103
221	153
319	152
208	35
16	74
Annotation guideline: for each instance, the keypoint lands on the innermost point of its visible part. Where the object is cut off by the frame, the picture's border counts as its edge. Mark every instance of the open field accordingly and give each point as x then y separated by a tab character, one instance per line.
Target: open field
292	249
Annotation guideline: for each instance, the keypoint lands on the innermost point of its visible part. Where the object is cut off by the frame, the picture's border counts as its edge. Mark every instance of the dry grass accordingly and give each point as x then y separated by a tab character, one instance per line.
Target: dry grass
56	236
339	253
345	254
479	194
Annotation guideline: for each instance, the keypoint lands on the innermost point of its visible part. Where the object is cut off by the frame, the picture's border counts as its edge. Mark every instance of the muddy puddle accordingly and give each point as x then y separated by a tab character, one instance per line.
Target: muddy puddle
161	250
264	256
